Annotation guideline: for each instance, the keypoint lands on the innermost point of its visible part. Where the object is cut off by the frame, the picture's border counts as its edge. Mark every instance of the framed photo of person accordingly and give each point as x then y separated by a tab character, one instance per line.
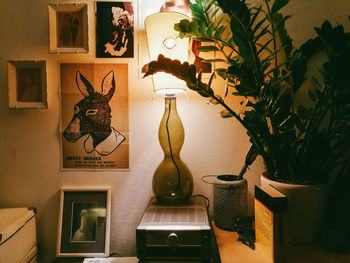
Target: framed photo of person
84	222
27	84
68	24
115	29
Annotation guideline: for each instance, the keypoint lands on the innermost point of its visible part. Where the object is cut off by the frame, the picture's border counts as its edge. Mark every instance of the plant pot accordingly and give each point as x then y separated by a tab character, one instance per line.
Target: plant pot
306	208
229	198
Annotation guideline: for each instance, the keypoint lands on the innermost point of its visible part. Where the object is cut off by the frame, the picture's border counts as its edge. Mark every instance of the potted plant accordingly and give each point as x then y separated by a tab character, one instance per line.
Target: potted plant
300	145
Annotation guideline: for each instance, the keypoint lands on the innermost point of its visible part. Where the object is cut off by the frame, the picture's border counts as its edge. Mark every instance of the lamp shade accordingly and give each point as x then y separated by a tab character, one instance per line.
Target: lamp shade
162	39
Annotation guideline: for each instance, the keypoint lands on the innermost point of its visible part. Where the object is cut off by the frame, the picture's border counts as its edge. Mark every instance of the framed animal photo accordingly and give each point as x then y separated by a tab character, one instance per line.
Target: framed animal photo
68	25
94	126
84	222
27	84
114	29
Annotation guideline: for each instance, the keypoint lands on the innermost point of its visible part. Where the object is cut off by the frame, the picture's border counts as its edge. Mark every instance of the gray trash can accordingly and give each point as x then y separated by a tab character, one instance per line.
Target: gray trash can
229	198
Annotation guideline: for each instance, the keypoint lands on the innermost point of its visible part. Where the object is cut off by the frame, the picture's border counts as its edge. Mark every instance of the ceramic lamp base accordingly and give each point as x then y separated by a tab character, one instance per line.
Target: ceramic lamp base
172	181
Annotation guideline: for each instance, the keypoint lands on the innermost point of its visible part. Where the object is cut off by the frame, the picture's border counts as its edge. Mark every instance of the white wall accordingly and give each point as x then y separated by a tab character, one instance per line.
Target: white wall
30	156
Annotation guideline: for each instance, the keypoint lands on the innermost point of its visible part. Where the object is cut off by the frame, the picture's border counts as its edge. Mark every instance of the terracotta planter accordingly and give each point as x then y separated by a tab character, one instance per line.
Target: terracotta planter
306	208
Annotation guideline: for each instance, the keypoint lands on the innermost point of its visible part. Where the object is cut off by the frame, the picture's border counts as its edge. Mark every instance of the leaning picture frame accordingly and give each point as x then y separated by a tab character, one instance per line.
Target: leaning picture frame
27	84
84	222
68	28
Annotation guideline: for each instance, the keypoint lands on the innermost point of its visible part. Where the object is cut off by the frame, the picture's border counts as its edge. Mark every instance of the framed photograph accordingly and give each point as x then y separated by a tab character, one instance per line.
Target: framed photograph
27	85
68	25
114	29
84	222
94	116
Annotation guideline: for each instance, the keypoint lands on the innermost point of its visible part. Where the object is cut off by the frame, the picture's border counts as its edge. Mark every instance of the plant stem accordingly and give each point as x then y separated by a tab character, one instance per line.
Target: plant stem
252	133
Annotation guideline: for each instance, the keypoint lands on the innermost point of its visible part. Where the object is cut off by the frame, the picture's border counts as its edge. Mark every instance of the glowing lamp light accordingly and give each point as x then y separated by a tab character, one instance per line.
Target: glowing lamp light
161	39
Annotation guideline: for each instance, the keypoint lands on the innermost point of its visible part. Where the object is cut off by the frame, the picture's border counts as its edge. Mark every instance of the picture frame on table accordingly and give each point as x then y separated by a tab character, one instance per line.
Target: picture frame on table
68	28
27	84
84	222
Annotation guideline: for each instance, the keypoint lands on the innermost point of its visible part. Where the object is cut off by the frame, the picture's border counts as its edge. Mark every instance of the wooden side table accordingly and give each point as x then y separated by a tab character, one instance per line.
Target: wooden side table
233	251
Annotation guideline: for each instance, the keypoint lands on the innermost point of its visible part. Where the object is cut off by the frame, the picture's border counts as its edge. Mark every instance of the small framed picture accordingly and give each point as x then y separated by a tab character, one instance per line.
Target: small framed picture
68	25
115	29
84	222
27	86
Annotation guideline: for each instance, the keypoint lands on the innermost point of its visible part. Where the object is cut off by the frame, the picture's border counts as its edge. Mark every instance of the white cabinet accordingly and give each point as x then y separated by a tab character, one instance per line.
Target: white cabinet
17	235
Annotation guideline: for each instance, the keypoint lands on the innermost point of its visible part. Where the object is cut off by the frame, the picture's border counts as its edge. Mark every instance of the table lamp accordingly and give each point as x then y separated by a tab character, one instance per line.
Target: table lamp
172	180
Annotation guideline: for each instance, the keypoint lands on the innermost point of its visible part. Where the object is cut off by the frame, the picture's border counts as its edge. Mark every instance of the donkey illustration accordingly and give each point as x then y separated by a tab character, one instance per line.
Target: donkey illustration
92	115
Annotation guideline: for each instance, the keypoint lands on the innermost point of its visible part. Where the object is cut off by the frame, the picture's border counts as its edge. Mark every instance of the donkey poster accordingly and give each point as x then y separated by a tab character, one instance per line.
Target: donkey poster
94	116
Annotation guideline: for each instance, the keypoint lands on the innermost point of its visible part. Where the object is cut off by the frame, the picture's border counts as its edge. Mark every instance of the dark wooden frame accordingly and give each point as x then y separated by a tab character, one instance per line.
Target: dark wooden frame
99	246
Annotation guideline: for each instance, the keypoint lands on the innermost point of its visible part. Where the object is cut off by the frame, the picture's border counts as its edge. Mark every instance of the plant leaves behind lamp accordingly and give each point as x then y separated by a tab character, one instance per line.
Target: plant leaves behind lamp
172	180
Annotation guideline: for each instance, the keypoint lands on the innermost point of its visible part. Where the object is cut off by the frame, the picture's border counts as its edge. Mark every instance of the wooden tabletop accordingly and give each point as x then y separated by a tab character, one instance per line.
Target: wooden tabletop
233	251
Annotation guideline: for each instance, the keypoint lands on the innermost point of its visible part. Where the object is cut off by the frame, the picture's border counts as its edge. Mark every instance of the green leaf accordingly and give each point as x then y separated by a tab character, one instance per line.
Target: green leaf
286	41
241	39
277	67
202	28
212	101
213	60
264	47
273	53
222	72
218	32
219	23
194	27
214	13
210	29
209	5
225	114
196	8
203	39
183	26
262	33
198	12
255	16
207	48
182	35
277	5
257	26
284	77
265	64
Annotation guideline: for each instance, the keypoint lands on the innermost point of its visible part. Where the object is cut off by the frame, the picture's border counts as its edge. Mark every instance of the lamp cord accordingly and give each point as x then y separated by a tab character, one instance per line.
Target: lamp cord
171	150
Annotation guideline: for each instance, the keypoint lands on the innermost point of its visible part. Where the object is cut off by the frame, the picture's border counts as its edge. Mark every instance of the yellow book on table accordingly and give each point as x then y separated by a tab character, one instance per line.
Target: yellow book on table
270	207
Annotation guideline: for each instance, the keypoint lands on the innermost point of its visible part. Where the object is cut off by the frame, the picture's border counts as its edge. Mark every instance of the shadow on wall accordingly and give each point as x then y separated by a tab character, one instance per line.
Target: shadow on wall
47	225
